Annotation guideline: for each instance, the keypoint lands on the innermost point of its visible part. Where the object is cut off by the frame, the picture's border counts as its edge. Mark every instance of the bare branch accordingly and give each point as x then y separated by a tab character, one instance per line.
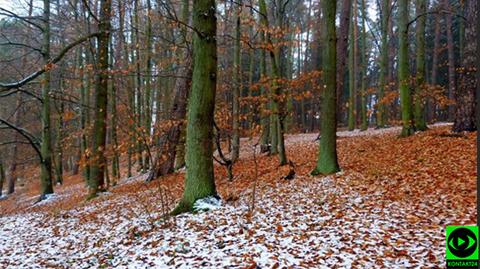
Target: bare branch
17	84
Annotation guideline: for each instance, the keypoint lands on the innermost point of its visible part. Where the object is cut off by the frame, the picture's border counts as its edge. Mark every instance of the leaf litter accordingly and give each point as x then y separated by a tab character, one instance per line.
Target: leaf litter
388	208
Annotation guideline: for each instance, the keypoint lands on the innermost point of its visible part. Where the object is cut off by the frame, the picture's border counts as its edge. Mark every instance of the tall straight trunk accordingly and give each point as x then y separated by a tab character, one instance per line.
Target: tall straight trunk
276	105
265	118
403	70
237	85
279	67
461	30
139	111
431	107
200	180
60	126
381	113
59	144
421	9
466	93
363	72
148	79
352	70
99	163
46	144
84	96
114	118
327	162
342	50
451	60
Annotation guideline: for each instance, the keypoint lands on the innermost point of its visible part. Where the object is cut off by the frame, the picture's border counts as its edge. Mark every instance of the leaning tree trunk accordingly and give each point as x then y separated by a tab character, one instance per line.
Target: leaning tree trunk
200	180
170	141
99	162
466	92
403	70
327	162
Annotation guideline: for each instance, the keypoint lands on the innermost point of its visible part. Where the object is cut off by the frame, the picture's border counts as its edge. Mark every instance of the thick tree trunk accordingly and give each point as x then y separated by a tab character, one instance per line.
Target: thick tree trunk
403	70
200	180
99	163
466	93
327	162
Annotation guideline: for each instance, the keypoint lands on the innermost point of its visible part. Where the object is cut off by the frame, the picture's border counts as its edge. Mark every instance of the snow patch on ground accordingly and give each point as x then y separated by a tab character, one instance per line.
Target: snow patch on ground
207	204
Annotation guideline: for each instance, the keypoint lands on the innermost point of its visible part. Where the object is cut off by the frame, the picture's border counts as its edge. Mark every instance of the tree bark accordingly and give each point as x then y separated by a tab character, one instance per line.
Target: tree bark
200	180
342	48
451	61
466	93
327	162
237	85
421	9
403	70
431	107
381	113
166	153
46	144
99	162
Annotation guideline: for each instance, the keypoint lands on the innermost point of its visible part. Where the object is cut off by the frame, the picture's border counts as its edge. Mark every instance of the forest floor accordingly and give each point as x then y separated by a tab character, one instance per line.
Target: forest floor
388	208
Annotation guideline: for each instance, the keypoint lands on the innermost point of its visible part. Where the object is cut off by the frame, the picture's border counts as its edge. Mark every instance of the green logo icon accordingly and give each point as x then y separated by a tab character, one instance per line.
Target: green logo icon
462	243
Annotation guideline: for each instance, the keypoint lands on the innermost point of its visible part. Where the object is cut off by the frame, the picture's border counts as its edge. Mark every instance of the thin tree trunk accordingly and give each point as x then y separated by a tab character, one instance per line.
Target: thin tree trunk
433	78
237	85
352	70
451	61
381	113
342	50
420	123
2	177
46	144
363	72
148	80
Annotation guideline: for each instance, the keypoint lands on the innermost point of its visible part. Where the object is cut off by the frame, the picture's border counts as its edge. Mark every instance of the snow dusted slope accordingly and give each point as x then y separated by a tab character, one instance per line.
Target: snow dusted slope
345	220
308	223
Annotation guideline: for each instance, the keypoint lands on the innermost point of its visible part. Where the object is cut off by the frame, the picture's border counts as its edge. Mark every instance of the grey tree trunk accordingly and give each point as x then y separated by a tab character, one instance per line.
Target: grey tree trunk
466	93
